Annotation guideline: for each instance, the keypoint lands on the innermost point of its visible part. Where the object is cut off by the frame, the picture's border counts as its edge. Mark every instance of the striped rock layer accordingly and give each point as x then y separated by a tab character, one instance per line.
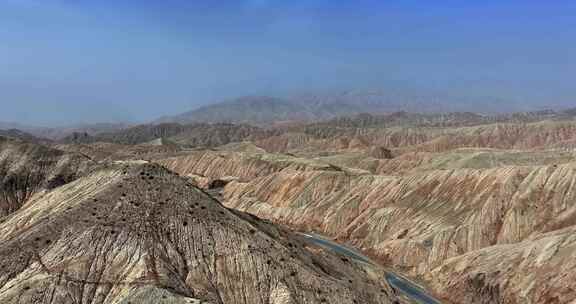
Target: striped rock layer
439	222
471	233
137	233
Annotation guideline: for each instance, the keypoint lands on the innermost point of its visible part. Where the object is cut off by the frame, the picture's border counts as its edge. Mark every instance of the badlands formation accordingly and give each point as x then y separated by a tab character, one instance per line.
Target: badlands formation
476	209
480	214
134	232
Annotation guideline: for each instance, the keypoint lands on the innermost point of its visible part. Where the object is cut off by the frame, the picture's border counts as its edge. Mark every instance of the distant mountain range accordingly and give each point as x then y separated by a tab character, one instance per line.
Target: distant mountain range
249	109
212	134
265	110
390	107
58	133
16	133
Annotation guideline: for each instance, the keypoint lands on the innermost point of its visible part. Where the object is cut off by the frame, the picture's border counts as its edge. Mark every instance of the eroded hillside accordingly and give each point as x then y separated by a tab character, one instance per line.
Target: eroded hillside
139	234
480	209
420	222
28	168
428	211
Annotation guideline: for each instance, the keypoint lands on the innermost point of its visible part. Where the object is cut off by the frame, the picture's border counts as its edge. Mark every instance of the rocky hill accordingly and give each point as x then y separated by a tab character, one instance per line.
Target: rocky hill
29	168
18	134
474	224
130	233
190	135
537	270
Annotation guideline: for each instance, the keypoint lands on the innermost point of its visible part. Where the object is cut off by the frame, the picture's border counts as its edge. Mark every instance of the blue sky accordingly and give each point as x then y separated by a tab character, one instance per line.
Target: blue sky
68	61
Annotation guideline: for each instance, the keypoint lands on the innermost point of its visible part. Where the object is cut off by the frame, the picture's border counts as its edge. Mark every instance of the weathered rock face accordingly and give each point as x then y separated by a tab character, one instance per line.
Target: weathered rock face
418	162
540	135
322	138
288	142
130	135
139	234
424	222
502	136
189	135
538	270
111	152
380	153
27	168
436	120
245	166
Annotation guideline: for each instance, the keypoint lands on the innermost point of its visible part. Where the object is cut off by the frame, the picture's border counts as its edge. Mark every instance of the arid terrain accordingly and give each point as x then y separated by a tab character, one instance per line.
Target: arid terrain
472	208
287	152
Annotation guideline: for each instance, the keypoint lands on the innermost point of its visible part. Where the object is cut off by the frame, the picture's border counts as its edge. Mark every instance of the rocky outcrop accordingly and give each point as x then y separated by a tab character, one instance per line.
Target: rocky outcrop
379	153
139	234
538	270
28	168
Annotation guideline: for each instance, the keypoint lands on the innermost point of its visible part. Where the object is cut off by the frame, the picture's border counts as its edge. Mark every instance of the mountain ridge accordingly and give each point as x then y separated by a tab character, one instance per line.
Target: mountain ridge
266	109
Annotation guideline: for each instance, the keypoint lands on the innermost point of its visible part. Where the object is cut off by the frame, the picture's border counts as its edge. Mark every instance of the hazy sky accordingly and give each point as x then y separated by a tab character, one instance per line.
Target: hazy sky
67	61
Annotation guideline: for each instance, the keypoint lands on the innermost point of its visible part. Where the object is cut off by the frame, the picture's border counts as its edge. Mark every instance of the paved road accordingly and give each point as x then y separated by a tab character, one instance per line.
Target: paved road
409	289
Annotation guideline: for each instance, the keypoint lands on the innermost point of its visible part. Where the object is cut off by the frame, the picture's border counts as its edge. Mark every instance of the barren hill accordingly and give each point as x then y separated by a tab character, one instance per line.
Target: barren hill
477	208
260	110
421	222
18	134
248	109
189	135
131	233
28	168
473	223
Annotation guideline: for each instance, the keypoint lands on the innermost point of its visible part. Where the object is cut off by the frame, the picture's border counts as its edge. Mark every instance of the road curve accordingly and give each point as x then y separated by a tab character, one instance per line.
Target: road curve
409	289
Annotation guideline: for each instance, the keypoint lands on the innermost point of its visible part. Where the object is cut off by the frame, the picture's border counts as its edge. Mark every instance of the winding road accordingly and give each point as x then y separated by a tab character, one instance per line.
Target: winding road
401	284
408	288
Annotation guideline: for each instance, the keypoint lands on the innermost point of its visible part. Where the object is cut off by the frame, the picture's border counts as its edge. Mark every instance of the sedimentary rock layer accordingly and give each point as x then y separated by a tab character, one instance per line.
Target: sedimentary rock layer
243	165
139	234
422	222
537	270
536	135
101	151
27	168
